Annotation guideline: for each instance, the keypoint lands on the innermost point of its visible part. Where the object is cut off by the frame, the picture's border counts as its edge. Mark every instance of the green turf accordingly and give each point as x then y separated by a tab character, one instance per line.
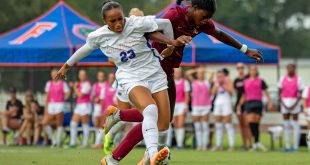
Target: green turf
47	156
56	156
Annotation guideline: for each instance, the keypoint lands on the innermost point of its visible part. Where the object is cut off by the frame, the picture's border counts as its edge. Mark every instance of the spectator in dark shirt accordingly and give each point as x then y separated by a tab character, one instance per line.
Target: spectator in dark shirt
11	118
238	86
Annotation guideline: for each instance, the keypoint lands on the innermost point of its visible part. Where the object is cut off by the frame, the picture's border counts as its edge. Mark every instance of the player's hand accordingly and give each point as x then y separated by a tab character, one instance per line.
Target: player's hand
167	52
239	110
61	74
255	54
182	40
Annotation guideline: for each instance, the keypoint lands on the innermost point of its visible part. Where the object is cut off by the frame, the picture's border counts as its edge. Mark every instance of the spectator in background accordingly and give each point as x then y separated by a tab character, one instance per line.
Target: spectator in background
306	104
201	105
28	120
56	92
37	119
97	88
136	12
254	88
222	90
290	89
82	110
11	118
239	86
181	106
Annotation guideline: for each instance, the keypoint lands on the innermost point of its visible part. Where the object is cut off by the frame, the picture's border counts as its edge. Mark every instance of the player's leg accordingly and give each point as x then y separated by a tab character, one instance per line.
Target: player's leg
142	99
308	124
296	131
206	128
198	127
86	129
243	130
97	126
47	127
219	131
59	118
179	122
287	130
73	129
227	113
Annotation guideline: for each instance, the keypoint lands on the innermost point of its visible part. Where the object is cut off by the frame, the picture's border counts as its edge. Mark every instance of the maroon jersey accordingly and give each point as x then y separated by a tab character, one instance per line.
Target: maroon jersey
181	26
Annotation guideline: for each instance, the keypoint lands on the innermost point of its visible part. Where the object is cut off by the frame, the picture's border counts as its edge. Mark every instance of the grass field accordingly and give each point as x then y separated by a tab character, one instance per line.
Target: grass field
58	156
48	156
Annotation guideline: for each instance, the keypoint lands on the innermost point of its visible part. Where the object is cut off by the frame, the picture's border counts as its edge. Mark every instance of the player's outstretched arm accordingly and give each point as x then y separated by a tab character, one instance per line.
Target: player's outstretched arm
76	57
229	40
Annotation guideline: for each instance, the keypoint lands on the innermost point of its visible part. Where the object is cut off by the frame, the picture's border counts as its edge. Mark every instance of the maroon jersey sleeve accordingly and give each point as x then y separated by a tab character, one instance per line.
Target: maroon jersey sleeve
209	27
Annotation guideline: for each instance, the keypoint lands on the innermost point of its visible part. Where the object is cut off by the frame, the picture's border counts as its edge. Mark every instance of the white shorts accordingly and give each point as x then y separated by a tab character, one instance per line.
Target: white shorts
83	109
290	102
222	109
179	109
55	108
308	114
201	110
97	110
121	95
155	83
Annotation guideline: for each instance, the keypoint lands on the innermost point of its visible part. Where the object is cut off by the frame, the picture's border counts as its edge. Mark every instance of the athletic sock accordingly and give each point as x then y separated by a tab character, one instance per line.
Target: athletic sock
179	134
98	136
131	115
287	133
198	134
219	134
231	134
73	132
116	129
150	129
296	134
133	137
169	136
255	131
205	134
86	130
162	139
49	132
59	135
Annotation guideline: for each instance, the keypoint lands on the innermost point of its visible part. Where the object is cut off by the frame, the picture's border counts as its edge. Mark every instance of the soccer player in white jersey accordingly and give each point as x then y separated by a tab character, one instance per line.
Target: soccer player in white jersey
139	70
222	91
290	88
56	92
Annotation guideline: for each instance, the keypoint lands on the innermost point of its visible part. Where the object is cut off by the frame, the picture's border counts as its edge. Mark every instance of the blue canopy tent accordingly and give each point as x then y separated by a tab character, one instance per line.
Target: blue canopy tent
52	38
49	40
205	49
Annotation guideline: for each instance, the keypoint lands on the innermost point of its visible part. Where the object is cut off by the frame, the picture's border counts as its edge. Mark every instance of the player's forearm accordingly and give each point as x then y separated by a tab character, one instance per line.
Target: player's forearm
165	26
227	39
79	54
160	38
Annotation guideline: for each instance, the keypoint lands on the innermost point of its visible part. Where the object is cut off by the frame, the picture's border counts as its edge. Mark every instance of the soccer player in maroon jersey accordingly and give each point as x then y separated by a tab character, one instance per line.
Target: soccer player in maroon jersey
190	21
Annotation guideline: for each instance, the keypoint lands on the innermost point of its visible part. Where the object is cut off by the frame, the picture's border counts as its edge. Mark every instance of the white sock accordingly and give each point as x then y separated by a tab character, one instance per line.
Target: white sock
59	135
296	134
116	129
49	132
98	136
198	134
231	134
287	133
169	136
150	129
86	131
205	134
308	144
73	132
162	139
219	134
179	135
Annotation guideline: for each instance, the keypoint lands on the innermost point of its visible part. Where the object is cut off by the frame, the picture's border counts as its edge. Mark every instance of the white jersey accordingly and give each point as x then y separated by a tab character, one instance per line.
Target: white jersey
129	50
222	97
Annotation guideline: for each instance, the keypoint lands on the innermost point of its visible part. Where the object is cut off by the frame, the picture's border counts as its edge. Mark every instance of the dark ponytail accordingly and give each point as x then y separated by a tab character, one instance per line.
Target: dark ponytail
207	5
109	5
179	2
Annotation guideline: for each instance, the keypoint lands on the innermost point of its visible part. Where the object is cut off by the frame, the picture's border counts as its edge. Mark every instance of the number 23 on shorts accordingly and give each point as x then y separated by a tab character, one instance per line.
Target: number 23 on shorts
125	56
